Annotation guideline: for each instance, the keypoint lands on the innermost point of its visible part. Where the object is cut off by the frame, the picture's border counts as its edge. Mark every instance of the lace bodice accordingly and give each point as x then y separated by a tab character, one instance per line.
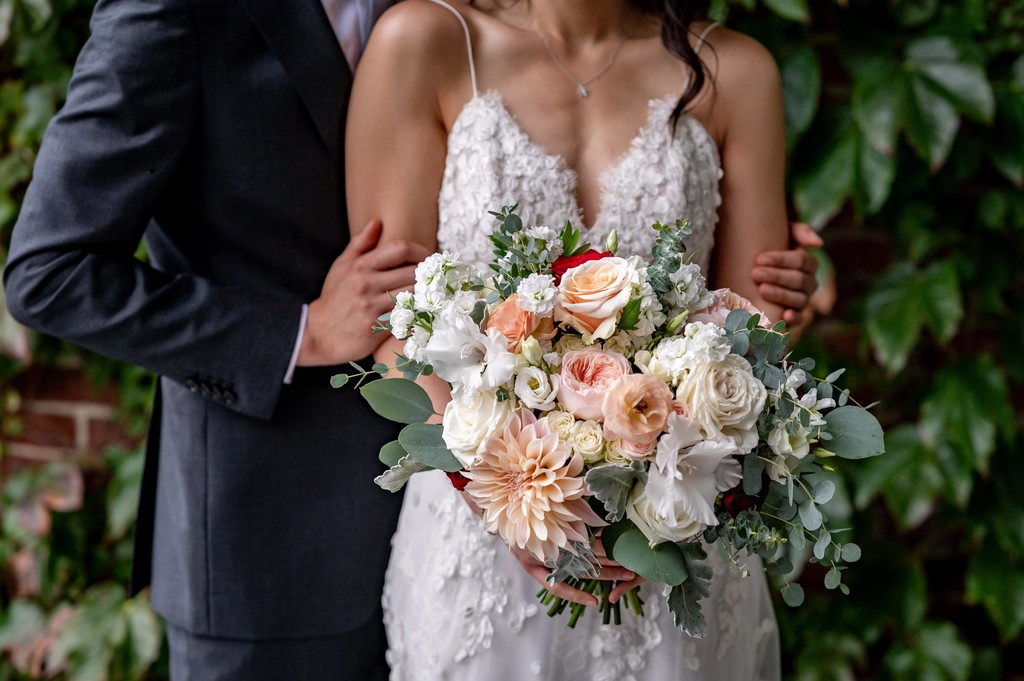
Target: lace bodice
492	162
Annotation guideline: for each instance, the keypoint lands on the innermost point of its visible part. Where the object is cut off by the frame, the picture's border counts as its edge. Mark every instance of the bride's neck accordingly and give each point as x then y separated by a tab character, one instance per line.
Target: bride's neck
578	23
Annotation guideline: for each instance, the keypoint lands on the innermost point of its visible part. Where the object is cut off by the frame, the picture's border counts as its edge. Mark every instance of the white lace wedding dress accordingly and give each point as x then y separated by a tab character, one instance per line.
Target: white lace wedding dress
458	606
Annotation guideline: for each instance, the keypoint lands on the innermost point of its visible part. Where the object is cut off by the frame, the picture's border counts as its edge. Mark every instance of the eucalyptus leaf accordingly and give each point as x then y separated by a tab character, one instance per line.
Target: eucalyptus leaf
662	563
793	595
391	453
398	399
425	444
810	516
855	433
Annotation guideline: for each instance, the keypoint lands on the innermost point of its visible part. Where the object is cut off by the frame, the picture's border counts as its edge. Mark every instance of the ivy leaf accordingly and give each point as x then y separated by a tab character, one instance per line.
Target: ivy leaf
855	433
877	101
684	599
395	477
876	173
398	399
1009	134
794	10
931	122
801	86
937	653
662	563
964	83
996	581
823	188
611	484
966	406
424	443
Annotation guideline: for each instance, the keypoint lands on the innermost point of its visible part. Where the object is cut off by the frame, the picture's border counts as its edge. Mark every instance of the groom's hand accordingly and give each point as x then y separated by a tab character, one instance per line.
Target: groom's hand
358	289
788	278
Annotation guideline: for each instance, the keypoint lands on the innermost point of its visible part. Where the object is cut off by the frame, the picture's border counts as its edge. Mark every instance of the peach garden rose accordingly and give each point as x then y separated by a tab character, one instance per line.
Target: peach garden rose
586	376
636	409
516	324
593	294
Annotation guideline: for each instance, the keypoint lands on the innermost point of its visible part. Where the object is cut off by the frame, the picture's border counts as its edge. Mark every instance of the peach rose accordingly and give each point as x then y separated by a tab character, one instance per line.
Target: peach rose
516	324
636	409
723	302
593	294
586	376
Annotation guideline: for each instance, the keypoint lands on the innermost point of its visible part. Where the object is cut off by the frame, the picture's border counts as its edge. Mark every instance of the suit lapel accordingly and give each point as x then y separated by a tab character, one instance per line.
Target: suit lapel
300	35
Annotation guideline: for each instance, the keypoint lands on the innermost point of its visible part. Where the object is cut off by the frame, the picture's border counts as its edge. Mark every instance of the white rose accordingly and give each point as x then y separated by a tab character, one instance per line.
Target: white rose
620	343
563	423
470	419
655	526
568	344
588	441
536	388
791	448
725	399
621	452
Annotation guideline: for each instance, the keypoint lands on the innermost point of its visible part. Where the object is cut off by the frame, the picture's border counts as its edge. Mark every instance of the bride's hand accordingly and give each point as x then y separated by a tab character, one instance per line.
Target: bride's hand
610	570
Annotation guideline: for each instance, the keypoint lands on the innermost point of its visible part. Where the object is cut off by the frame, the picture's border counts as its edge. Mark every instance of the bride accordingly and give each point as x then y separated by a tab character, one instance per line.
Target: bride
613	114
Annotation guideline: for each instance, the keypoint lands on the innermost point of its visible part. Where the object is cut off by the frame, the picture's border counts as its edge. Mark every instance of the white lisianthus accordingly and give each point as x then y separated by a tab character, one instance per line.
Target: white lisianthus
588	441
725	399
537	294
689	290
684	479
466	357
470	419
552	359
536	388
563	423
531	351
789	447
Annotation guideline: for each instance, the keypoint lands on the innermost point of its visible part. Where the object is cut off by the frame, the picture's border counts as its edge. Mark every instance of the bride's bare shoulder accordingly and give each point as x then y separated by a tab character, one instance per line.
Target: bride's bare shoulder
739	64
422	29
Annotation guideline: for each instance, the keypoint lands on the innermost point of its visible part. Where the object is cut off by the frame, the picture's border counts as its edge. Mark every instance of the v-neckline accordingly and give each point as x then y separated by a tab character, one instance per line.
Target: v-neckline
561	165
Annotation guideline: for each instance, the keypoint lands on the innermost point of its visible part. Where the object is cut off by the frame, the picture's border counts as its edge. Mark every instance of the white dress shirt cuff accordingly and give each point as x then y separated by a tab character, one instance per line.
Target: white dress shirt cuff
298	346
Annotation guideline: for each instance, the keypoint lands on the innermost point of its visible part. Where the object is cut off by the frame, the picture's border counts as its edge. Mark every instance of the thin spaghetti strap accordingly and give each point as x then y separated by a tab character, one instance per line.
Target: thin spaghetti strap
469	41
702	39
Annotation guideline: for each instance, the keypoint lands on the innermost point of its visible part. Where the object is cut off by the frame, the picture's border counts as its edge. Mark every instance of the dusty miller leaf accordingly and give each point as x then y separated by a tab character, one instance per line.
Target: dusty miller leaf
684	600
394	478
611	484
579	565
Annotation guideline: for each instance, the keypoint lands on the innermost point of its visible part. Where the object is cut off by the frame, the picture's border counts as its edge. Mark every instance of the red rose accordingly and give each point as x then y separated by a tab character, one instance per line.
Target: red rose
735	501
565	263
459	481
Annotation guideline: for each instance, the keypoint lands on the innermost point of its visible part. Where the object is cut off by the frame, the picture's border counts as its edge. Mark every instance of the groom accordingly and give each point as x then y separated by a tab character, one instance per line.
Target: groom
214	129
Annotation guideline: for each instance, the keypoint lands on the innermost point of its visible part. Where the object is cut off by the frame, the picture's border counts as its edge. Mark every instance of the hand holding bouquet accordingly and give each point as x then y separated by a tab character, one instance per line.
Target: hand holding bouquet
595	395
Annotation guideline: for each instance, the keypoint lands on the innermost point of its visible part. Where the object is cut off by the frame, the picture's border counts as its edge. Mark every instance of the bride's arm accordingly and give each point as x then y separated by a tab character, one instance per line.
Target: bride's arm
747	103
395	142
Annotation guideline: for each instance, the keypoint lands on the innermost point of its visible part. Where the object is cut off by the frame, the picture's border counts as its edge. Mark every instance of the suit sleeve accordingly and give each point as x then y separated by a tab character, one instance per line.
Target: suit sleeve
105	160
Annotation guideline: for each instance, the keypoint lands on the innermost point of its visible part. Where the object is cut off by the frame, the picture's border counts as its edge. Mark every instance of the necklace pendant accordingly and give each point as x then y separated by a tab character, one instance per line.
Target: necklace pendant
583	91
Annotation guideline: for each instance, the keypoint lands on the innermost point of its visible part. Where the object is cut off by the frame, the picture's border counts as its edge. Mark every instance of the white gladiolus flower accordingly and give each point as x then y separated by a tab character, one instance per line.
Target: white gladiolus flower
588	441
683	481
536	388
467	358
470	419
537	294
790	448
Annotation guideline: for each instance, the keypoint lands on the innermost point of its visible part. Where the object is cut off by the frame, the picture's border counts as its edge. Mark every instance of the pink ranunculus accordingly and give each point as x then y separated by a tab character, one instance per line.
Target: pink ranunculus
636	409
725	301
516	324
585	378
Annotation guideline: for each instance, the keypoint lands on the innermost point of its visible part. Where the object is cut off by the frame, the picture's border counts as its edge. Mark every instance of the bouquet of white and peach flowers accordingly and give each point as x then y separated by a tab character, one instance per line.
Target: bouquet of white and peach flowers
596	395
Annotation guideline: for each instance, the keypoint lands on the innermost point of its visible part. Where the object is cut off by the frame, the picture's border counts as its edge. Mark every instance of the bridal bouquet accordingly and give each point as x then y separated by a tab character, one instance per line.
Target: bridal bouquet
601	396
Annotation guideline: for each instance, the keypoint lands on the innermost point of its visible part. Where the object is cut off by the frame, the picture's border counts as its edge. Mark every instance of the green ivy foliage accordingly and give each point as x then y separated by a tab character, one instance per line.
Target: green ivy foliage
906	139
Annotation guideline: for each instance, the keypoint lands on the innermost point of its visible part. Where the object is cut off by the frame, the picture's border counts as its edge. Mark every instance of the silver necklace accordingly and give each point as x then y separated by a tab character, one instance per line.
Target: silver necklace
581	86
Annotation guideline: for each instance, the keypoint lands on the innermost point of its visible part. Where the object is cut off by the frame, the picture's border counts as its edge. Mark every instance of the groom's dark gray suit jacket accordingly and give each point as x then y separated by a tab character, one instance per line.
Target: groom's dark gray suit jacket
215	129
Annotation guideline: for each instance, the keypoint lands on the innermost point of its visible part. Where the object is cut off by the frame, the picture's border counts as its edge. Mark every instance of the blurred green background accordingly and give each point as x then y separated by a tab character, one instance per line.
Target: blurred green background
906	122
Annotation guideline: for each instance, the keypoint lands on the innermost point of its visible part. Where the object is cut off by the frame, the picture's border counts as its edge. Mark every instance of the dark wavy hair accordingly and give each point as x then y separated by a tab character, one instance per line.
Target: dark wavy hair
676	17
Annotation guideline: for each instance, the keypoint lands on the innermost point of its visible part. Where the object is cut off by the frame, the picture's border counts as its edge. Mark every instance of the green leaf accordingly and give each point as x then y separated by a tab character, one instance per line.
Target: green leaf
398	399
801	86
144	634
630	315
753	467
425	444
123	491
996	581
931	122
855	433
662	563
794	10
822	189
1008	150
391	453
967	405
876	173
793	595
937	653
964	83
395	477
339	380
684	599
612	484
877	104
906	476
23	621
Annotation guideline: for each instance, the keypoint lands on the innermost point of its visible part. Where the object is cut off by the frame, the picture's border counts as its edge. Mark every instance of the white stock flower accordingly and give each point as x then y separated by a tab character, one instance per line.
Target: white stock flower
553	359
689	289
536	388
704	344
684	480
588	440
725	399
416	343
537	294
469	419
438	279
400	321
561	422
549	237
467	358
666	361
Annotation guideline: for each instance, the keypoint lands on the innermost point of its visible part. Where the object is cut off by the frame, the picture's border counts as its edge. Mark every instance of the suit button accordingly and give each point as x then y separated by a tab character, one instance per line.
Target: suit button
230	396
192	385
204	390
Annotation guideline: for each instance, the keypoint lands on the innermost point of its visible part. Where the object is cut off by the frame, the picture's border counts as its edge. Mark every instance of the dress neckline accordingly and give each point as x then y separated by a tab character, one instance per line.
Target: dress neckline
604	179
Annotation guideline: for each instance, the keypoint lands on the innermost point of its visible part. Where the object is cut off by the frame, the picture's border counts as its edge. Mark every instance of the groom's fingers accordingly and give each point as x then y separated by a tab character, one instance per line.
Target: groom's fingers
392	280
364	241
